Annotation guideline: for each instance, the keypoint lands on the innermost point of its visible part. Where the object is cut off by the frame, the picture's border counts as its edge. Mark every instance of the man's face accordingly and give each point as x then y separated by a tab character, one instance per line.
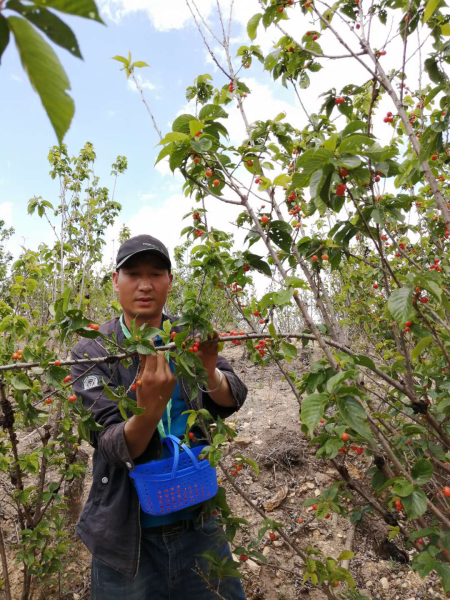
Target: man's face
143	284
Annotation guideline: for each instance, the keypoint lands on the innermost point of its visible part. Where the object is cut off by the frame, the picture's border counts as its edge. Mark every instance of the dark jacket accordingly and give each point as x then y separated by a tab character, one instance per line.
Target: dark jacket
110	522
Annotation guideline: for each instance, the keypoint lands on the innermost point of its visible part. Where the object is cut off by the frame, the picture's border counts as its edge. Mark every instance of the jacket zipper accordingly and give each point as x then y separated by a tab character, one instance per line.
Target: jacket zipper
139	504
139	542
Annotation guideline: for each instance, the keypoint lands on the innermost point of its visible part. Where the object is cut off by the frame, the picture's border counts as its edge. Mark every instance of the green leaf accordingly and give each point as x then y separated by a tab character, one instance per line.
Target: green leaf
346	555
322	510
212	111
354	143
21	382
354	415
415	505
402	488
289	349
55	29
46	75
121	59
361	359
173	136
195	126
429	9
252	26
312	410
139	64
283	180
336	380
202	145
420	347
4	35
422	471
443	570
81	8
400	304
181	123
166	151
423	563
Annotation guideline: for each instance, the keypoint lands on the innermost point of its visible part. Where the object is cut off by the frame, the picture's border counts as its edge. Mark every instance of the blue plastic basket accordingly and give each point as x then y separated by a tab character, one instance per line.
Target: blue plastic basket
171	484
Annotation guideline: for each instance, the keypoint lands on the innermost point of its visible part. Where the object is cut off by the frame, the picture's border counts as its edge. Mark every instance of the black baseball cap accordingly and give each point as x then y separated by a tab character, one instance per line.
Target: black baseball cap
142	243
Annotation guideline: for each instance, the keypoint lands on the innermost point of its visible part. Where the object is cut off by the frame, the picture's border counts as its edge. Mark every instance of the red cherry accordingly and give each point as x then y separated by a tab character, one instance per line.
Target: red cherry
314	36
446	491
216	183
315	258
383	53
325	257
345	437
314	506
243	557
424	299
133	386
434	157
48	401
94	327
272	536
208	173
72	398
196	160
261	321
249	163
256	313
281	9
375	286
340	189
68	378
264	219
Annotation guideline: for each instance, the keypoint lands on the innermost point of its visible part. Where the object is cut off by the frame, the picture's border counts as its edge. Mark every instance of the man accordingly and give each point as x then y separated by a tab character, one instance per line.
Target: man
138	556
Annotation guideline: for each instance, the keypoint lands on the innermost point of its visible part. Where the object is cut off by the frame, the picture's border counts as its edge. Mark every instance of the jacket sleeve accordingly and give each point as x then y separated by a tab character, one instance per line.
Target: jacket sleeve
238	390
110	441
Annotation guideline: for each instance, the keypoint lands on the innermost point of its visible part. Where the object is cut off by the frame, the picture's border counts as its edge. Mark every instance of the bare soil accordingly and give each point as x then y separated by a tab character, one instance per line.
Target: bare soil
268	431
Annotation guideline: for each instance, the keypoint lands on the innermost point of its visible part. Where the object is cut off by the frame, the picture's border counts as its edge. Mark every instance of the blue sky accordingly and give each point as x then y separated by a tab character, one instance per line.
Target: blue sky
111	116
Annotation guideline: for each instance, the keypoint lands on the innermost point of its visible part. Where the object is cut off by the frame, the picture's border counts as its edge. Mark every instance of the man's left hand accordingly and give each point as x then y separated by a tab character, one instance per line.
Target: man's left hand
208	353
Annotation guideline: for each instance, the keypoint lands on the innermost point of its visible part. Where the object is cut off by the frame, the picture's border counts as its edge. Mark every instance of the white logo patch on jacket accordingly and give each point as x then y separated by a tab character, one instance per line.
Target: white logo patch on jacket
91	381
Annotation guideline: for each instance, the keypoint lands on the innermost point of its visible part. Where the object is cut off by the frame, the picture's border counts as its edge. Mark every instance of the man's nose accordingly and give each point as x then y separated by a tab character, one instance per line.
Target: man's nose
145	283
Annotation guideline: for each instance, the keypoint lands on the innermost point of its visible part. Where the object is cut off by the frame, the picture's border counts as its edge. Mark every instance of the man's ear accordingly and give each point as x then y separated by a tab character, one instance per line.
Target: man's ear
170	284
115	277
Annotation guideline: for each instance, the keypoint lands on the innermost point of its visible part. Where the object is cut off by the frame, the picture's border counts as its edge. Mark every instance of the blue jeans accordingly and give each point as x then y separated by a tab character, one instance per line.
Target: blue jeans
166	568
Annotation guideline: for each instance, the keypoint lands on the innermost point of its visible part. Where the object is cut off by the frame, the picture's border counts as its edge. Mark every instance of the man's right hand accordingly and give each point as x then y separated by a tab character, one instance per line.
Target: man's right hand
157	383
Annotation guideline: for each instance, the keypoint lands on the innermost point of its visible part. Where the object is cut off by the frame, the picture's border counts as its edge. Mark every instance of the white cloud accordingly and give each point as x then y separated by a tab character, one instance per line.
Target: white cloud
146	197
166	15
6	213
16	78
145	84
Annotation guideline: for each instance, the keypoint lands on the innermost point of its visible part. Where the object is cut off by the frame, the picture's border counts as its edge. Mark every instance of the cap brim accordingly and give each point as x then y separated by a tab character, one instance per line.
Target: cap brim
149	251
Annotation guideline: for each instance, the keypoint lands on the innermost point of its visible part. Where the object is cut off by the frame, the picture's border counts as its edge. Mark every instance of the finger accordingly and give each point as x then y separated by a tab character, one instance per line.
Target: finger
161	363
150	363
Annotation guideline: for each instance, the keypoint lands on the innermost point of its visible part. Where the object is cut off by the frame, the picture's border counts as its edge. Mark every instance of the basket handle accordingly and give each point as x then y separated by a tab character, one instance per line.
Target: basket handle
176	443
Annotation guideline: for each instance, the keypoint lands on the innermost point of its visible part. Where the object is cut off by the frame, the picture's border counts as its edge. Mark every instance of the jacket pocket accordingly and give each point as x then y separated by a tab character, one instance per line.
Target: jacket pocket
100	484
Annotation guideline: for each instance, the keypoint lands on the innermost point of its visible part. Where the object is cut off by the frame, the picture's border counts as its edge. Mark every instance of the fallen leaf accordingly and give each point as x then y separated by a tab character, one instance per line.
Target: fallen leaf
274	502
